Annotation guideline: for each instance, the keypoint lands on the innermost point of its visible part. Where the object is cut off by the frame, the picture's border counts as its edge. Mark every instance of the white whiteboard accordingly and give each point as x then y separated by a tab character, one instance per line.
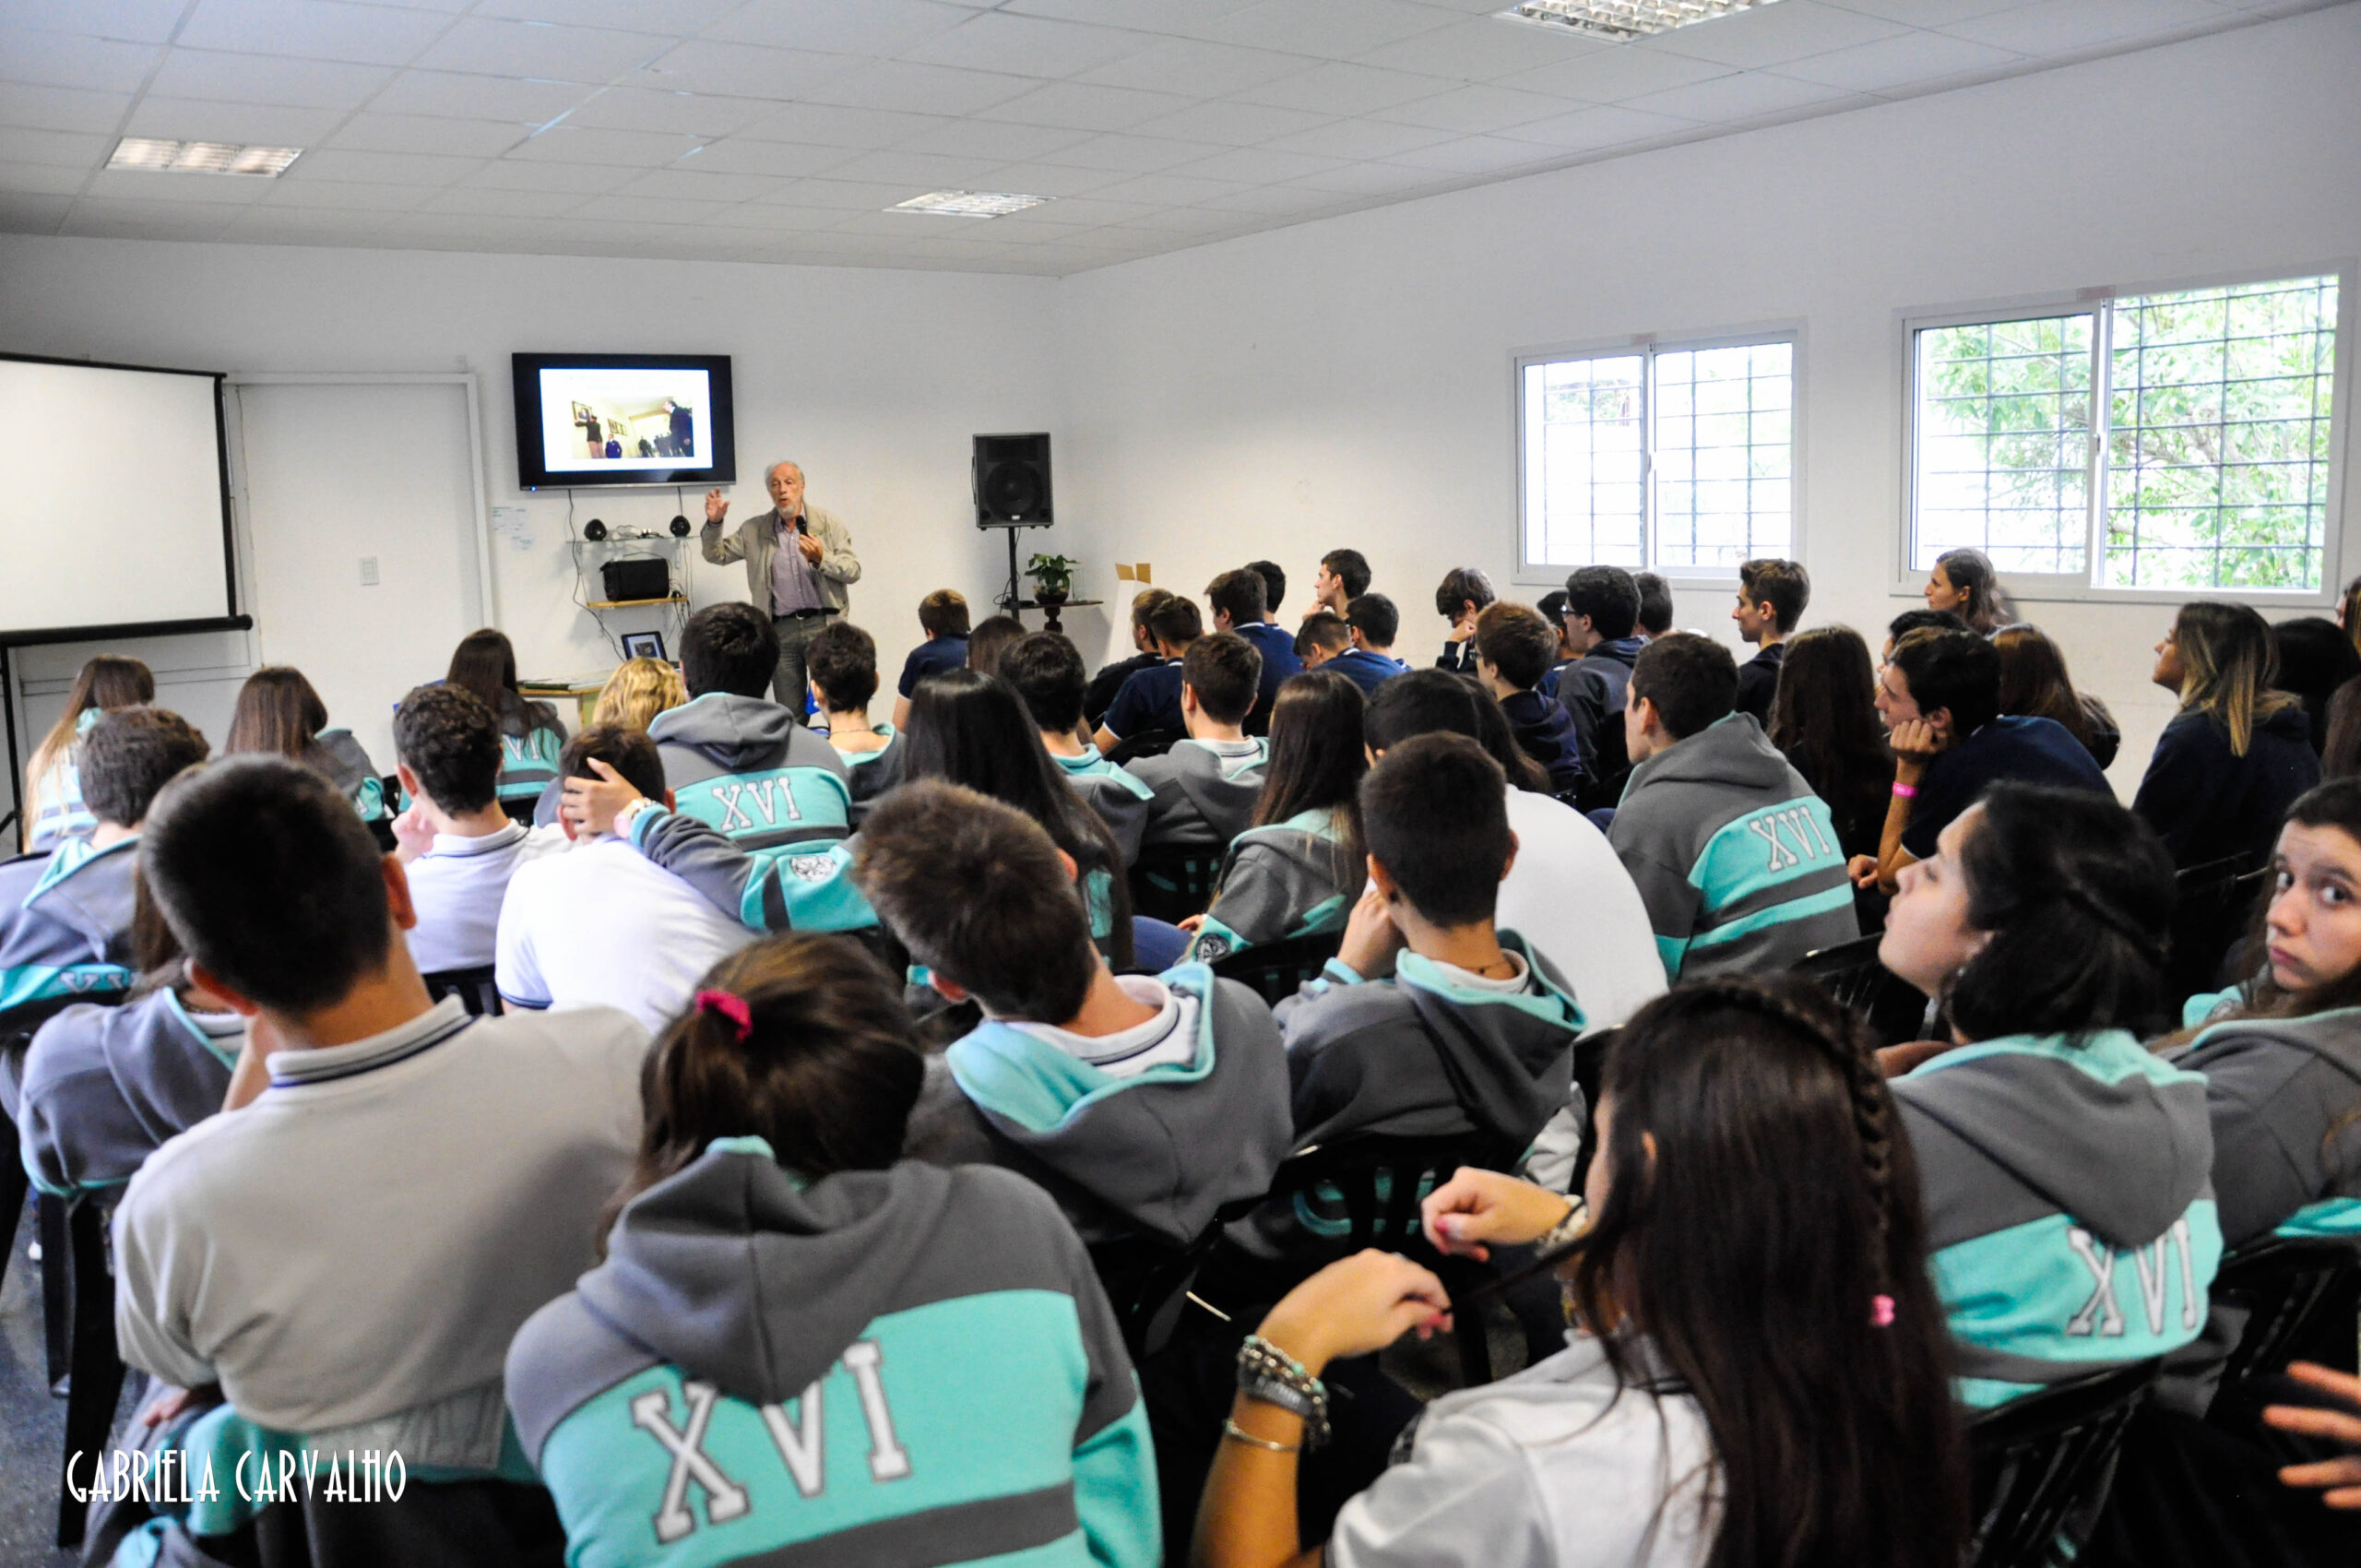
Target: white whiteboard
112	511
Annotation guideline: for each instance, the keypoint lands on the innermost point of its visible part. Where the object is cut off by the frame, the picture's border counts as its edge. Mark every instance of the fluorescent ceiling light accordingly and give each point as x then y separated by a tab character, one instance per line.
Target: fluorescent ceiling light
1622	18
155	157
968	203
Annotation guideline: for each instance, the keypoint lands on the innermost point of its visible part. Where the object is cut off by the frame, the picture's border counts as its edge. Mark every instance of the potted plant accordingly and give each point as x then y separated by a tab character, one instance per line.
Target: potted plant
1052	578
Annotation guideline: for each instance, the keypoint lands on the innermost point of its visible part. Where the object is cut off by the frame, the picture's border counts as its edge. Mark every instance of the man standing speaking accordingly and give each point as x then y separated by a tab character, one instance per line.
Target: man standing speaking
802	586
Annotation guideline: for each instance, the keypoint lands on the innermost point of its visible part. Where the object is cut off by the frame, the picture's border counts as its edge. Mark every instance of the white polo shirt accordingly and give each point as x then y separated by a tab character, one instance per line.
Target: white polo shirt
457	887
1569	895
601	925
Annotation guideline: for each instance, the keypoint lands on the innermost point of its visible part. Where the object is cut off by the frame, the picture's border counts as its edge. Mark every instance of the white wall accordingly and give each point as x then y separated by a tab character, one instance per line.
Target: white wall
1349	382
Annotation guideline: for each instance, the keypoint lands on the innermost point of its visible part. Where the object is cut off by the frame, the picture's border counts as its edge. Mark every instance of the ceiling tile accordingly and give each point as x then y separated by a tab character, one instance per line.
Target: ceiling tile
1328	28
347	193
488	46
1926	12
2052	27
678	184
175	190
823	124
59	59
1258	165
1474	155
1586	130
76	149
740	154
928	90
305	226
874	28
1142	15
461	97
1744	96
844	196
1087	108
371	132
1028	46
1615	75
1474	109
646	209
1478	49
1170	190
188	119
745	70
773	215
1295	201
1340	88
47	179
673	16
1211	69
32	212
380	168
592	144
1233	124
1095	210
145	220
257	79
511	174
999	140
133	21
687	114
62	107
1363	179
311	29
502	204
921	170
1132	154
1897	63
1358	138
1050	179
1770	34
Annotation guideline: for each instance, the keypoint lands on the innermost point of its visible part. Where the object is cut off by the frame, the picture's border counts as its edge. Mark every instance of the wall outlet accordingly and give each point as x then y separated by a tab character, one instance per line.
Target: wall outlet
368	571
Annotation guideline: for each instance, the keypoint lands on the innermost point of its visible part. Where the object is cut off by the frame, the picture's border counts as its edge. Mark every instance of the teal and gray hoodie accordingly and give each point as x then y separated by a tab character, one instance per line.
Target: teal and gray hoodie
745	765
1293	878
1157	1153
347	768
2069	1204
902	1366
528	761
65	923
102	1088
1735	857
1202	799
1119	797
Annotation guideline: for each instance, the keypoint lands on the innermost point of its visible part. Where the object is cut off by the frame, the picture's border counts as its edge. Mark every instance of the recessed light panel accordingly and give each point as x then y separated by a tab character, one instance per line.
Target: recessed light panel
146	153
1623	19
968	203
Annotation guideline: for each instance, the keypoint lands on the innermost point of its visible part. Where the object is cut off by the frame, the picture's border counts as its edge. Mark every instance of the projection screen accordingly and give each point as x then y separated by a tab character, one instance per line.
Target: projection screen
114	516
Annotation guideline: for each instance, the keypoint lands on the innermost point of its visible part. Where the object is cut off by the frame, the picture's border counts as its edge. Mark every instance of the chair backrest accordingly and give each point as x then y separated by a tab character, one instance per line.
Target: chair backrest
1173	885
1276	970
2211	914
2296	1290
2040	1459
474	988
1851	973
1148	742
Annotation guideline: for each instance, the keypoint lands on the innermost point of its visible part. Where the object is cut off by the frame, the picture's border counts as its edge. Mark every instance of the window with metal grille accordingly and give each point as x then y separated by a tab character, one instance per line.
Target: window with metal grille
2164	442
1674	456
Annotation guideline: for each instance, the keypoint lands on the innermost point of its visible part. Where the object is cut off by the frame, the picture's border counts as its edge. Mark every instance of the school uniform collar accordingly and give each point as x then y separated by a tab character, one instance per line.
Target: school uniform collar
295	1069
481	843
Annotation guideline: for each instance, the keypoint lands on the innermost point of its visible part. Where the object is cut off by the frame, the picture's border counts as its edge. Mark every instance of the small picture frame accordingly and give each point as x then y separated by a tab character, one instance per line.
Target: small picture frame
644	645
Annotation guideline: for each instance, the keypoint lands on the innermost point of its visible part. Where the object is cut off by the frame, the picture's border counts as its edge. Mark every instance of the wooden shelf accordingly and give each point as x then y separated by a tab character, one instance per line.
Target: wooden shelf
632	603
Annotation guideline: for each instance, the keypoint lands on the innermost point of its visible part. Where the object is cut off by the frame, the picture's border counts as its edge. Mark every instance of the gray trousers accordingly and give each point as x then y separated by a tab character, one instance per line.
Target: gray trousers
788	682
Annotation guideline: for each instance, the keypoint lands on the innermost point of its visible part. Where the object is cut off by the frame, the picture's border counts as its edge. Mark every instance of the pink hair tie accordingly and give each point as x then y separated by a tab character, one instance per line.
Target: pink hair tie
734	1008
1880	1311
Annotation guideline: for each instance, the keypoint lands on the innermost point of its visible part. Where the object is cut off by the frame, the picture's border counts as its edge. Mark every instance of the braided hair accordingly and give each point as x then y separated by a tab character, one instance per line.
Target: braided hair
1762	1230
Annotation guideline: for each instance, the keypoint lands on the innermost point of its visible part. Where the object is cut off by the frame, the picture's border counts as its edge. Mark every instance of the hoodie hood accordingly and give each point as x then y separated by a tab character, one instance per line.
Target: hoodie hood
2103	1132
736	734
1164	1149
1731	752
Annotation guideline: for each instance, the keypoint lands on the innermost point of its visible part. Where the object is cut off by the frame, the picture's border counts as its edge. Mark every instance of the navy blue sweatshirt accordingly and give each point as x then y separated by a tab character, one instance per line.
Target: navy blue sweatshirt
2207	804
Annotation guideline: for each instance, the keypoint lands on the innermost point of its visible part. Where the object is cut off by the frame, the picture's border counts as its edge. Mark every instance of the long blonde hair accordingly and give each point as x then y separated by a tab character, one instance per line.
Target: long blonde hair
2227	664
637	692
110	681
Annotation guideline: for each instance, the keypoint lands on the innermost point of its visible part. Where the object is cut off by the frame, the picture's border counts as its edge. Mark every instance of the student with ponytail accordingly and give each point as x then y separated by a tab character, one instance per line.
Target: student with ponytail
2066	1171
1758	1374
851	1357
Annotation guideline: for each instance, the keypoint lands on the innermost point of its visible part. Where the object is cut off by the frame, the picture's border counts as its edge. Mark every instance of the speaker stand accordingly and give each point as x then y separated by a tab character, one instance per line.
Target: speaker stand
1010	600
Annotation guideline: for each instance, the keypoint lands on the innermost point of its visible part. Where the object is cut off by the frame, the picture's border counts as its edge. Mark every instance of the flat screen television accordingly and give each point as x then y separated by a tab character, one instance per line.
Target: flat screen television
585	419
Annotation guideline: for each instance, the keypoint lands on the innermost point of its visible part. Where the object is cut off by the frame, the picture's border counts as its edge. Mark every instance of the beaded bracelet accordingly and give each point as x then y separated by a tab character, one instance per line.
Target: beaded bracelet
1270	1376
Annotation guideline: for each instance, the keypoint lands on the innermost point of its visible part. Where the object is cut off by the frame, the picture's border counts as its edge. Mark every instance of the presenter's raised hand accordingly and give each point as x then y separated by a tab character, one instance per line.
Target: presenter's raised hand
716	508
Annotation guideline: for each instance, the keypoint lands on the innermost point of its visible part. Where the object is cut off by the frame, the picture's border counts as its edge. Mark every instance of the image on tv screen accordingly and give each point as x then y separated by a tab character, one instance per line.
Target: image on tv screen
597	422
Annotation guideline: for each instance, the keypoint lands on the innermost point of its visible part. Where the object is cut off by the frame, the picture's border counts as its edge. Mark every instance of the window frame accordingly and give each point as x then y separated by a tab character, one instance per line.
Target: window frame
1529	573
2085	588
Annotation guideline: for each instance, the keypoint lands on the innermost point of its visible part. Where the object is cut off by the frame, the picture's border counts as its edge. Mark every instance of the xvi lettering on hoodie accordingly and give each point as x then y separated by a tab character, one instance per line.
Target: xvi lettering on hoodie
2101	1314
799	1441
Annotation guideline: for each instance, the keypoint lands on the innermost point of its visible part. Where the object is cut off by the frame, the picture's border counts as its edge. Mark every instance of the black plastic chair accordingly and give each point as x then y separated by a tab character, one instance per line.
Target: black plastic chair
1148	742
2043	1462
1277	969
2210	913
474	988
1850	972
95	1368
1173	885
1148	1283
2300	1293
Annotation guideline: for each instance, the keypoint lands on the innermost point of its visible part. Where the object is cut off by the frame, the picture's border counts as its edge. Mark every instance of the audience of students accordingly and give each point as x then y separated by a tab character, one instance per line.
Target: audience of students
1910	621
1824	720
1513	647
1735	857
459	847
737	760
1964	584
278	712
1655	606
530	736
1046	670
50	805
2034	684
1757	1373
2316	660
1940	695
942	616
1109	681
1344	576
65	916
1240	600
1601	620
341	1259
1772	596
1149	701
2233	759
601	924
1297	867
1322	636
1462	595
1204	790
639	690
840	660
993	635
1497	737
831	1277
1372	623
1274	584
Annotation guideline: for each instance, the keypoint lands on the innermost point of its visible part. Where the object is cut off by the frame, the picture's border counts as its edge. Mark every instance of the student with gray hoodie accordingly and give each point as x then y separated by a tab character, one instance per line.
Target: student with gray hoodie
2067	1170
1046	669
800	1348
738	761
1206	787
1738	861
1142	1103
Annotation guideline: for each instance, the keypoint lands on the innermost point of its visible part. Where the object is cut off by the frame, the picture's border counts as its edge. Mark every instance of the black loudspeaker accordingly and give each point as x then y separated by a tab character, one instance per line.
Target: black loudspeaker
638	577
1013	482
594	531
680	528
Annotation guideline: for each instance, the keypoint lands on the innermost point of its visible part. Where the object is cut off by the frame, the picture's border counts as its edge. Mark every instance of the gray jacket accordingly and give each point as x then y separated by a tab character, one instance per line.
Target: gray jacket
1202	799
757	537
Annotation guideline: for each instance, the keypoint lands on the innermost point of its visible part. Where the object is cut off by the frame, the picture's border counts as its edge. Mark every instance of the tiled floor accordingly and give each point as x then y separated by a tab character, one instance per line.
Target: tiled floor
32	1424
